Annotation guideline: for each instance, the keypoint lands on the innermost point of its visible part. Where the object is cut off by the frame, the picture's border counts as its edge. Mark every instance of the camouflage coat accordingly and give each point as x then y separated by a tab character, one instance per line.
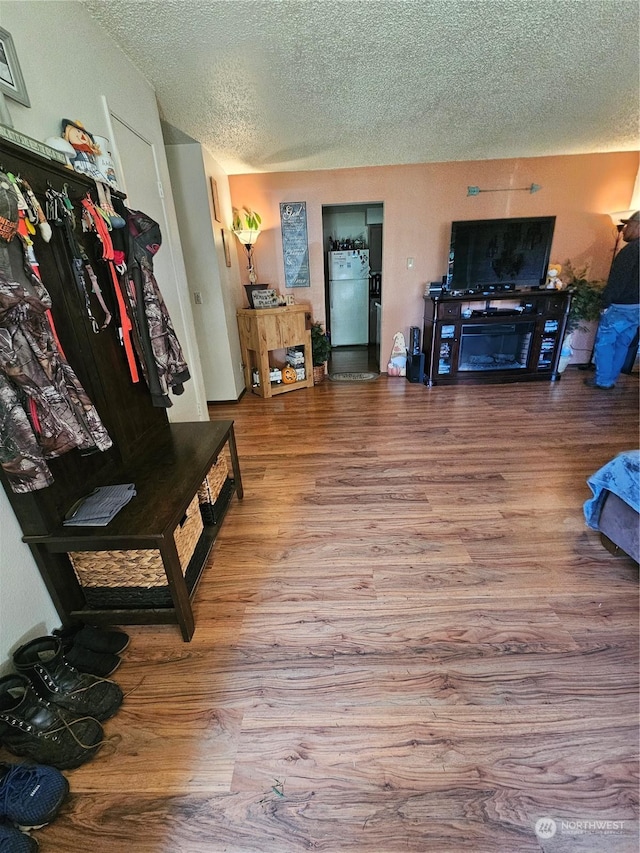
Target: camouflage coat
44	410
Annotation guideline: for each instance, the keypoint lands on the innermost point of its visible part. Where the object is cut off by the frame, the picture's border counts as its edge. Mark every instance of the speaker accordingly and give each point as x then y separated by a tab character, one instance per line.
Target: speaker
414	340
415	367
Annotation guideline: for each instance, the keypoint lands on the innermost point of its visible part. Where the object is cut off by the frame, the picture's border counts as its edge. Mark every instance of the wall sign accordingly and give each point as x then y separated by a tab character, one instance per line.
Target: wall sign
295	244
264	298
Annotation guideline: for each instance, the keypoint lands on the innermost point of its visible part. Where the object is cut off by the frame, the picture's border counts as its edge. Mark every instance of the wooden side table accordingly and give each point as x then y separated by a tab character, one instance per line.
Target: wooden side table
263	330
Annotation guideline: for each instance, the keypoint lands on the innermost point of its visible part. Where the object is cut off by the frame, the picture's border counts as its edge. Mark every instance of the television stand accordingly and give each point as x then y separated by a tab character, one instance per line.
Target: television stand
502	337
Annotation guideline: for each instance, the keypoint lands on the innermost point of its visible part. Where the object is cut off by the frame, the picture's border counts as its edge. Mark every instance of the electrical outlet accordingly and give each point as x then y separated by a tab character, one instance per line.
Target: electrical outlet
409	263
197	297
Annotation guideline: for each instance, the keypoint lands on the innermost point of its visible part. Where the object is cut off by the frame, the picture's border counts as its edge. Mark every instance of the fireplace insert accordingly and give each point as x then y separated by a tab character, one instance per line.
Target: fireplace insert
495	346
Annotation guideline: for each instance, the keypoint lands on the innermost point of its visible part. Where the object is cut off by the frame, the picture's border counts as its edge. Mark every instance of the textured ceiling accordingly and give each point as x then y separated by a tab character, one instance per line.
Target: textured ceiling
286	85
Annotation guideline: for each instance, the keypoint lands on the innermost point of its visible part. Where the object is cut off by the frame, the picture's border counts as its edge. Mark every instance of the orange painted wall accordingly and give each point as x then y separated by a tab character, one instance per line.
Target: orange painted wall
421	201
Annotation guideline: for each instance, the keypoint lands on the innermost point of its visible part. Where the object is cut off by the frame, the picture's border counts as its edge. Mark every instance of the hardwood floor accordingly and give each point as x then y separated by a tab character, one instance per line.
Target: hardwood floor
407	640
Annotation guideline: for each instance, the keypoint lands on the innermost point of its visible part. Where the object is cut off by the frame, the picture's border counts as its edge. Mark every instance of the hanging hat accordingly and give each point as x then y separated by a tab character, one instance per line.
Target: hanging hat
9	217
635	217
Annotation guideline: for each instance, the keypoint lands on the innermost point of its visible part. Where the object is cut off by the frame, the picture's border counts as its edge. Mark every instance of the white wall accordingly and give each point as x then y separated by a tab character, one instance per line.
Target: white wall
191	168
69	63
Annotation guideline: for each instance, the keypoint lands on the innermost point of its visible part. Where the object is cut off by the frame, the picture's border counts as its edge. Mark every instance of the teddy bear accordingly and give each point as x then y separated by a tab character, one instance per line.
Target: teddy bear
553	277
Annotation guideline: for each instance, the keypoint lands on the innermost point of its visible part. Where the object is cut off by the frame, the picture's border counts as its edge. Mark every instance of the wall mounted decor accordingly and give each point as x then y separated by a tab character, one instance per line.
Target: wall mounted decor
216	200
11	80
225	246
532	188
295	244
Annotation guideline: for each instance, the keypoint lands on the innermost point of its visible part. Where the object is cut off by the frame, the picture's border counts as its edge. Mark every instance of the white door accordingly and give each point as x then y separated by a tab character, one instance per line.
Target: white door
138	177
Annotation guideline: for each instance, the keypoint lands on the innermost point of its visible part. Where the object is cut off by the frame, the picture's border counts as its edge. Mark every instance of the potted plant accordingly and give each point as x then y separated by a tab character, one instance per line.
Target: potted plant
320	349
586	304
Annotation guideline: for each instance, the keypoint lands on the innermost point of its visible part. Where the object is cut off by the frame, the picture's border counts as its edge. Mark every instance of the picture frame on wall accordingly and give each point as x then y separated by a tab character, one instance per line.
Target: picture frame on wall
216	200
11	80
225	246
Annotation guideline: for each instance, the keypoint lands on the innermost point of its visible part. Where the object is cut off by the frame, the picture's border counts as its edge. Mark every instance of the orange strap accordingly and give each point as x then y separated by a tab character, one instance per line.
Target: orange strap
125	325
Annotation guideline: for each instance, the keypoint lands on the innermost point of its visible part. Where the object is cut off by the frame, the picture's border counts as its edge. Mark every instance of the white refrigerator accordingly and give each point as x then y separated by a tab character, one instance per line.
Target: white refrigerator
349	297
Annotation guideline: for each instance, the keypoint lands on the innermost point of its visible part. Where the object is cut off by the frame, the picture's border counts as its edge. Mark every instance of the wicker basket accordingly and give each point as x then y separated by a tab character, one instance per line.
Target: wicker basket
318	374
137	577
215	492
214	481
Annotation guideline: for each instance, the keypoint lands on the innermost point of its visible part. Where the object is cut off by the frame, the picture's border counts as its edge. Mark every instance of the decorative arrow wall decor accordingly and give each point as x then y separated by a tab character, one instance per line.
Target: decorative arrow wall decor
531	189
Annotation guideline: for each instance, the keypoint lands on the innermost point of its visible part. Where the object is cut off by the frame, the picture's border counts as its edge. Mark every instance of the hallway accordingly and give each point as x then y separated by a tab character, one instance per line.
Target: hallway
358	359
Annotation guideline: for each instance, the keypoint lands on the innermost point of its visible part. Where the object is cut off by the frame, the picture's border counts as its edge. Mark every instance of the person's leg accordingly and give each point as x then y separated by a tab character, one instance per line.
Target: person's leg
603	349
627	328
618	325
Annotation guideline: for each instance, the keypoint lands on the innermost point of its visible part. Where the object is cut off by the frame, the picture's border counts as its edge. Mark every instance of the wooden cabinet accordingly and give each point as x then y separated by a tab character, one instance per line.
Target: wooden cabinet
498	337
263	330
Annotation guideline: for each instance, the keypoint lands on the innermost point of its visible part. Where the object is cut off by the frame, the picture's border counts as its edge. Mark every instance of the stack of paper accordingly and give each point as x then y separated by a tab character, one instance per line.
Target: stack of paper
98	508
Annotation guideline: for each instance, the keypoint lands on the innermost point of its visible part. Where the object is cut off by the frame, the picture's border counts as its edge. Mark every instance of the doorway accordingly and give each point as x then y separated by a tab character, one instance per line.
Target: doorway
353	308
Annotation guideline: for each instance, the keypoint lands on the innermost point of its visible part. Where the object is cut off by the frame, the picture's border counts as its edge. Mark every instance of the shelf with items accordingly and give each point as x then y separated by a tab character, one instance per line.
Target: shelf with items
264	331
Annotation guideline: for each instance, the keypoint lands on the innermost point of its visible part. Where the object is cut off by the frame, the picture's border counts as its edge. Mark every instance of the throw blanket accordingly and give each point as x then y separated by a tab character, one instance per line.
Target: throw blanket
620	476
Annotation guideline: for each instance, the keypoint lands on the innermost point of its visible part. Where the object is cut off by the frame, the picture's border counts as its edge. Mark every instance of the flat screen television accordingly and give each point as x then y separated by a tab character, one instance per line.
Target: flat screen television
498	253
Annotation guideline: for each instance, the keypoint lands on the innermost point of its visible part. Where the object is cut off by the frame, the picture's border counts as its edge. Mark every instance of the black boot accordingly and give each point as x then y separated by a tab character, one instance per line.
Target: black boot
57	681
32	727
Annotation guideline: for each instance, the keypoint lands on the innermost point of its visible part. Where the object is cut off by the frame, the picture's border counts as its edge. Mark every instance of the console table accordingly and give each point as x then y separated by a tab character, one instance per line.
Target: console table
263	330
167	478
494	337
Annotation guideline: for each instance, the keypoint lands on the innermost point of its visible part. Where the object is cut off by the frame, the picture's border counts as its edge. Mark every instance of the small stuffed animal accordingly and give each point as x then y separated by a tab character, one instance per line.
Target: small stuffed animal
553	277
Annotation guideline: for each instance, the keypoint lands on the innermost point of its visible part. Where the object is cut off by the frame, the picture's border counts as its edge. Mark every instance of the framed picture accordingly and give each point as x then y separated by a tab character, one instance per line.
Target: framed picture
216	200
11	81
225	246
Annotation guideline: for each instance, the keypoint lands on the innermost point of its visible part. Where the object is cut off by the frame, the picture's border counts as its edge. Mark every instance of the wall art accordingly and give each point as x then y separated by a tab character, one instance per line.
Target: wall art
11	80
295	243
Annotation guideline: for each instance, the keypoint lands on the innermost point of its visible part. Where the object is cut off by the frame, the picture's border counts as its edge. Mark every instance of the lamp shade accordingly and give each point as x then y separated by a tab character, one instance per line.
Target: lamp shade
618	215
248	237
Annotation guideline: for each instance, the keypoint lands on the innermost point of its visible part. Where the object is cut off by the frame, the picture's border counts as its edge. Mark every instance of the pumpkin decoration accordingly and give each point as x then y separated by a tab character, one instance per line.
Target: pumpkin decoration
289	375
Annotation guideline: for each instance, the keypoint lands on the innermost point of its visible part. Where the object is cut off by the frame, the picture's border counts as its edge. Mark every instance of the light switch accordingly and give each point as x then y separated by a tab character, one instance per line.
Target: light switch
197	297
409	263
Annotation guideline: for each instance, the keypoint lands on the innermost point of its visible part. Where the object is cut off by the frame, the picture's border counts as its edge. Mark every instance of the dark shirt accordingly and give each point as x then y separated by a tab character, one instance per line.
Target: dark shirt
623	286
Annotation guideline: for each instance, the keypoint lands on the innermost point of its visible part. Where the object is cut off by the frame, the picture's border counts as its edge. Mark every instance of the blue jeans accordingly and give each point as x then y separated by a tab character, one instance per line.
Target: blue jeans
618	326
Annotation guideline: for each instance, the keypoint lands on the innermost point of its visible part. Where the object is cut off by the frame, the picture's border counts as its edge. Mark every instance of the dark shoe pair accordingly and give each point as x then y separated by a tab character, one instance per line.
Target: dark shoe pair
93	650
34	728
49	711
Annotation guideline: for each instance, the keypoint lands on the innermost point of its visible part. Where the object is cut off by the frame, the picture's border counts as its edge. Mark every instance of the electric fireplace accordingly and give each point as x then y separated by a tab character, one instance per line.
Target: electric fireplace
501	346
